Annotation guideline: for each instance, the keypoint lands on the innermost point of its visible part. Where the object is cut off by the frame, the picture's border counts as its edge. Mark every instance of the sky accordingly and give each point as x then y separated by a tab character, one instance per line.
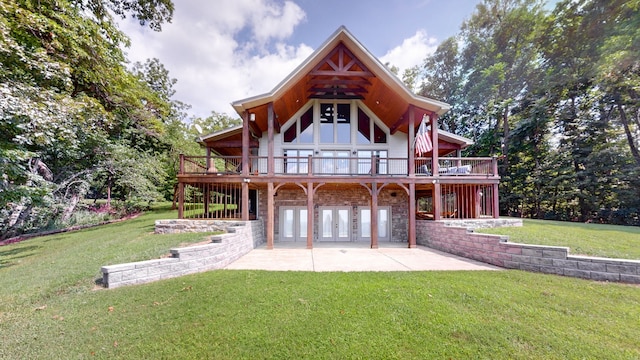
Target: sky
221	51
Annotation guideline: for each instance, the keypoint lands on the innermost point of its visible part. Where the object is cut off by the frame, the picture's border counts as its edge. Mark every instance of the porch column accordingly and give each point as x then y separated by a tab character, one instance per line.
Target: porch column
309	215
210	165
411	134
270	119
245	201
496	202
437	204
245	144
412	215
245	166
180	201
270	216
374	215
434	140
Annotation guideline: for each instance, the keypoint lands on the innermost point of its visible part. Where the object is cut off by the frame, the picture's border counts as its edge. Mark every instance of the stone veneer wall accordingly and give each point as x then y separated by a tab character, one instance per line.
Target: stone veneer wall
458	238
240	238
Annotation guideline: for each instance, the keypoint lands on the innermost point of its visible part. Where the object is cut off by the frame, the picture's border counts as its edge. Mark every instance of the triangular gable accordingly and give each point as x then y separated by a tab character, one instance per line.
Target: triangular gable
342	68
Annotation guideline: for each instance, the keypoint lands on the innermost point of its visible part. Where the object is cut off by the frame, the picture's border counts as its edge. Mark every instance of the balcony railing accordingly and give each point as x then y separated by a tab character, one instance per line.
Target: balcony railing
341	166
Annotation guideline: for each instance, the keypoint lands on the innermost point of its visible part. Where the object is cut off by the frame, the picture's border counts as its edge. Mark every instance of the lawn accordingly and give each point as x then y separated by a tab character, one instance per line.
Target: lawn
610	241
50	309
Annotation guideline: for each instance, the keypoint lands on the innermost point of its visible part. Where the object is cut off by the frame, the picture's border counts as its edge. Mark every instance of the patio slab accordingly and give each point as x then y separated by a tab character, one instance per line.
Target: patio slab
353	257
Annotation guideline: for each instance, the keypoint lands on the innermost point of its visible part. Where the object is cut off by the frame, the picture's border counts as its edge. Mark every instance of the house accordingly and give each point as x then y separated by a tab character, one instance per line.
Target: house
329	155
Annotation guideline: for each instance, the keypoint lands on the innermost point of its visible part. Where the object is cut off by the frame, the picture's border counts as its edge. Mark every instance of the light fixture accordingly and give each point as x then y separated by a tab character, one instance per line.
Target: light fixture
252	117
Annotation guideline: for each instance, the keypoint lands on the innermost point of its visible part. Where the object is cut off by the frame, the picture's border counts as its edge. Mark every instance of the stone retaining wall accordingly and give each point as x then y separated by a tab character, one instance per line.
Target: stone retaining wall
497	250
239	239
177	226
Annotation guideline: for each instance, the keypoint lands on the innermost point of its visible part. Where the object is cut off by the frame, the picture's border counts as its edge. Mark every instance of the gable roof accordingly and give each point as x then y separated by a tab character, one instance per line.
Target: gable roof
342	65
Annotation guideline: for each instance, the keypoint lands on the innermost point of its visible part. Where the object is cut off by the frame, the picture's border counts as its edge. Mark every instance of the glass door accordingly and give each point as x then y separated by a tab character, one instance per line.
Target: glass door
293	223
384	223
334	223
335	162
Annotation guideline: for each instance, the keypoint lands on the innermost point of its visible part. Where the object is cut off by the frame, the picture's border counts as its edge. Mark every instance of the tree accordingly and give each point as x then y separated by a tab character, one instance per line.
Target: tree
65	97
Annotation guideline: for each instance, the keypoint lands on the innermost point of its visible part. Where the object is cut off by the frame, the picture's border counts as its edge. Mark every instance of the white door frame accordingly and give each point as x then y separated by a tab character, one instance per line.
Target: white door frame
384	228
298	224
334	223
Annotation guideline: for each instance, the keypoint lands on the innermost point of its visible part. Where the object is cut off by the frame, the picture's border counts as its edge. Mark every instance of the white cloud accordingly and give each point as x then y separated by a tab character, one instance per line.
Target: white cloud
411	52
276	22
222	52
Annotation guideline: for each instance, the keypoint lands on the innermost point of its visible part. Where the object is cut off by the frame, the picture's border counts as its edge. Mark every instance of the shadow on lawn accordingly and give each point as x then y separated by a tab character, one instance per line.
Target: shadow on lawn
8	257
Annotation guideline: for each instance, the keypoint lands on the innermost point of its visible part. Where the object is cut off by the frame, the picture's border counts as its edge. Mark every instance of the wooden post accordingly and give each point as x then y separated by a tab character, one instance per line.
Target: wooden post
210	165
374	165
496	202
205	200
412	215
437	204
270	120
310	214
245	144
245	201
180	199
411	133
374	215
434	140
270	216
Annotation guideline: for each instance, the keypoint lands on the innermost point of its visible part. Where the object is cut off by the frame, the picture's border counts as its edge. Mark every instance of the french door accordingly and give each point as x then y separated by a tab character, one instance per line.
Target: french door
293	223
335	162
334	223
384	223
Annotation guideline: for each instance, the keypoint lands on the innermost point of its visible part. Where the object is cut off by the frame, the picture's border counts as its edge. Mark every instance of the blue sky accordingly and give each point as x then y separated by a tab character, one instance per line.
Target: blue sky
222	51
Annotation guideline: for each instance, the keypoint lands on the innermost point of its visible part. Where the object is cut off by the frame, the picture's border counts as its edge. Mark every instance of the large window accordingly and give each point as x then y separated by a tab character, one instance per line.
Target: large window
335	123
368	131
301	131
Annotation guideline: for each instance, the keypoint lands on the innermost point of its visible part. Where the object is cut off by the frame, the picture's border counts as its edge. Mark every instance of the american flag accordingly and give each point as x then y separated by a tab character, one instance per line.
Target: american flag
422	142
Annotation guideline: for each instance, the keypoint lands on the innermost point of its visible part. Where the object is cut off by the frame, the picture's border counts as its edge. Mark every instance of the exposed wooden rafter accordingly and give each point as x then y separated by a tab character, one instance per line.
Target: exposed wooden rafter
255	129
340	75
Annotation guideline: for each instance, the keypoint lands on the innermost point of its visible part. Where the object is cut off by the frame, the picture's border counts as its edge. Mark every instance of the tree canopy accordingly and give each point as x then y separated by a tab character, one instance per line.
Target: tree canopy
76	120
555	94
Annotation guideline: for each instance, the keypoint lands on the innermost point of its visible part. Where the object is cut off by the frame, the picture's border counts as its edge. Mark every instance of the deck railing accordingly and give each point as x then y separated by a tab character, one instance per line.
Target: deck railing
347	166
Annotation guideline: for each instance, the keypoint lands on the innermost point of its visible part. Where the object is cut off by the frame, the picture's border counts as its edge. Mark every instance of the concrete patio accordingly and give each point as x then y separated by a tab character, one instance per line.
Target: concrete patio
353	256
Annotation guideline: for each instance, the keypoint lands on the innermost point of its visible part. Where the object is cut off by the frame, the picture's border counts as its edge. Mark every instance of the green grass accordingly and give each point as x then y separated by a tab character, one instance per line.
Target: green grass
49	309
612	241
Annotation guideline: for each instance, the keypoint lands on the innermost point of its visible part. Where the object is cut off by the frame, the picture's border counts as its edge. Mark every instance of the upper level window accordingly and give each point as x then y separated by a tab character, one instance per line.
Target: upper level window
301	131
335	123
335	126
368	130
